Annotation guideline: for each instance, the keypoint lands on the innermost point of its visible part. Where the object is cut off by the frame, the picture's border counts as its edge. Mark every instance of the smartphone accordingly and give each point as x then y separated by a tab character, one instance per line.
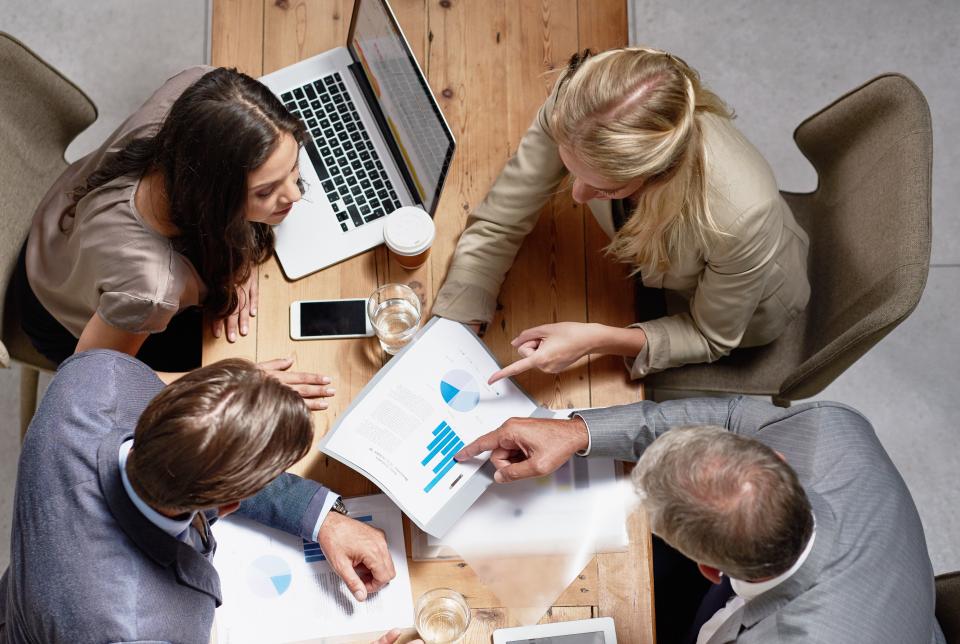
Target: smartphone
329	319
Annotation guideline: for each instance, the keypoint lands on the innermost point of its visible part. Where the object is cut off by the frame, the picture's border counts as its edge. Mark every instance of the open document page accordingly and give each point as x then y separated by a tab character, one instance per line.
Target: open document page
279	588
430	400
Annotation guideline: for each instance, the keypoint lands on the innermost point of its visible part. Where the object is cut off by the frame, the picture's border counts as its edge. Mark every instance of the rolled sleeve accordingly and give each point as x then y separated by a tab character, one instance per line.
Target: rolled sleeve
135	314
463	301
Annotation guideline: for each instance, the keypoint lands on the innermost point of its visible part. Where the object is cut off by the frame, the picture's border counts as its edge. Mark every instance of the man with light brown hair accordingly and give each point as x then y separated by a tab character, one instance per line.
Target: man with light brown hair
798	519
120	481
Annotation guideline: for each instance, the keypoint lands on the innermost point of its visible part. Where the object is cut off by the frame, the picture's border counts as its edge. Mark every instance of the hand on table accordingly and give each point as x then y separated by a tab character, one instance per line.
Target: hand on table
550	348
312	387
358	554
529	447
392	636
239	321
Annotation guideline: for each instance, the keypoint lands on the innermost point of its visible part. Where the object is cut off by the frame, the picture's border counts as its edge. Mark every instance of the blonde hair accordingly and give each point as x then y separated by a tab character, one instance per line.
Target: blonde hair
635	112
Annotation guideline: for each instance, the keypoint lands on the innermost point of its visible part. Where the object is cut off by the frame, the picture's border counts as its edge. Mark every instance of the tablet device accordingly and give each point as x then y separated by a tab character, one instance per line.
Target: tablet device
584	631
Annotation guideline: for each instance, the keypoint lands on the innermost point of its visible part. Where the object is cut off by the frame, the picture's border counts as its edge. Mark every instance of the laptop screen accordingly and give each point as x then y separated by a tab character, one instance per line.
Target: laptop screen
412	114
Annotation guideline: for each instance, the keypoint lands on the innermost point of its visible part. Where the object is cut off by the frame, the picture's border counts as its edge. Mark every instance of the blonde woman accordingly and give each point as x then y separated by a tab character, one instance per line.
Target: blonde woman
646	144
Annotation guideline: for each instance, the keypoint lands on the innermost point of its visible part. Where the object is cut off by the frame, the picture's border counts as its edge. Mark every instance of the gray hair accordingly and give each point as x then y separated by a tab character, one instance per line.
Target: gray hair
724	500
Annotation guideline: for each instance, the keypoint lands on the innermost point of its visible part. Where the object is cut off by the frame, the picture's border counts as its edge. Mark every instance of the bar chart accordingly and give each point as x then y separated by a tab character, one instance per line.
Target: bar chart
444	444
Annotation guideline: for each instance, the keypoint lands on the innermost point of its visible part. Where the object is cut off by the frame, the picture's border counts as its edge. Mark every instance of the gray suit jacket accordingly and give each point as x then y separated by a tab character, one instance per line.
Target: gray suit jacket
85	564
868	578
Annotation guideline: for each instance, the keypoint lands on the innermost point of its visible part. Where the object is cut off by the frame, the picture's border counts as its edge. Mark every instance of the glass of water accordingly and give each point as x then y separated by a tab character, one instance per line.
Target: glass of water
442	616
394	312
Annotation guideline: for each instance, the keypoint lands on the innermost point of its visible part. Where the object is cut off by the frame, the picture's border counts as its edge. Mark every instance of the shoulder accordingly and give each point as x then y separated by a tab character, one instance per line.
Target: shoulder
740	183
99	383
146	120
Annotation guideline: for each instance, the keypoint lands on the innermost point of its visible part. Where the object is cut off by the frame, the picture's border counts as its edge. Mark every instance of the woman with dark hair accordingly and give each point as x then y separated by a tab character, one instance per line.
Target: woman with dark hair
166	221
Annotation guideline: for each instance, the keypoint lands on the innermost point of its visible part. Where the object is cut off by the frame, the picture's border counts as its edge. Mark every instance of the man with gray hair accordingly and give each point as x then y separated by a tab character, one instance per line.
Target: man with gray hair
797	517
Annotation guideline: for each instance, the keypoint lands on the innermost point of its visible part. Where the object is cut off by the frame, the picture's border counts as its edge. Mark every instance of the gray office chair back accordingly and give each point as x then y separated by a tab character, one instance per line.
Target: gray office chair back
948	605
870	235
41	112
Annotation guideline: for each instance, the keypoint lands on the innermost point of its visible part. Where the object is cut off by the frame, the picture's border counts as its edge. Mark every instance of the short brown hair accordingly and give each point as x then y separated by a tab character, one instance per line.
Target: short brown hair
725	500
217	435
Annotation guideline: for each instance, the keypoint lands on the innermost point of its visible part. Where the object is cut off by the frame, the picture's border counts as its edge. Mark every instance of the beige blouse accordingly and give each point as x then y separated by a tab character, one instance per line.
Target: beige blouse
108	261
742	290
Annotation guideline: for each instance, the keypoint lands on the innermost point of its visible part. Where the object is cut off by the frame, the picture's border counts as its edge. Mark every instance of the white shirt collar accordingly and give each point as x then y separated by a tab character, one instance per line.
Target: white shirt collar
750	589
173	527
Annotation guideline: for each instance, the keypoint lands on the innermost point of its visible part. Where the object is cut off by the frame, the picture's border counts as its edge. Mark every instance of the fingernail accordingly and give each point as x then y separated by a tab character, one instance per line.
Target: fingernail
232	336
216	333
244	329
331	391
360	595
323	406
325	380
498	477
253	311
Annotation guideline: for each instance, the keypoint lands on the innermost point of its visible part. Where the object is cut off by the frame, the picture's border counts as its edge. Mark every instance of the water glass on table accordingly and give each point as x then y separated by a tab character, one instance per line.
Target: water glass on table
394	312
442	616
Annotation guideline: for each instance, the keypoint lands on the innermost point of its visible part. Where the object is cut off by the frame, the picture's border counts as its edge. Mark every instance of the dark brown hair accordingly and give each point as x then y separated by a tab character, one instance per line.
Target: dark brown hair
220	129
217	435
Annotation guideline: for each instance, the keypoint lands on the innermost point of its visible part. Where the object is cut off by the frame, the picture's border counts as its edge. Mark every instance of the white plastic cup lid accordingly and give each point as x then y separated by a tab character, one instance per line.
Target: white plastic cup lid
409	231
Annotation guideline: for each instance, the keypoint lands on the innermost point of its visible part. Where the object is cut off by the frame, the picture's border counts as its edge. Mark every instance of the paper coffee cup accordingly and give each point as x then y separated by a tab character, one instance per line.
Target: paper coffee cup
409	233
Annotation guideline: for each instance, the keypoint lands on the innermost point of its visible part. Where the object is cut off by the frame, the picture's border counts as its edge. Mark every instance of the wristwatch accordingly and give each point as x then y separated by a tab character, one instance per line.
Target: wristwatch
339	507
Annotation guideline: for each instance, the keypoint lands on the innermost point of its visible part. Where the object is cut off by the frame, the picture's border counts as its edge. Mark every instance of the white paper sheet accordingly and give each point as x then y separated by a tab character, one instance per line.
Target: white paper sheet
278	588
404	431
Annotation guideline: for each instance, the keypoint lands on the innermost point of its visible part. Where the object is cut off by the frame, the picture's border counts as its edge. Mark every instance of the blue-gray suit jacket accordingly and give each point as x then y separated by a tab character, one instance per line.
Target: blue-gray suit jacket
85	564
868	578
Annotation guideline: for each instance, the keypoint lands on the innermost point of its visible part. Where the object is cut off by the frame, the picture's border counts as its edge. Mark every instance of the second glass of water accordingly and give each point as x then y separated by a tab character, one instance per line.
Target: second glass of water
442	616
394	311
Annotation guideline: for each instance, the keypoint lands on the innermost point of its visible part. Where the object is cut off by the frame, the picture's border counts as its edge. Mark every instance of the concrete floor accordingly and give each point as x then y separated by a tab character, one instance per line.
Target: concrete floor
776	62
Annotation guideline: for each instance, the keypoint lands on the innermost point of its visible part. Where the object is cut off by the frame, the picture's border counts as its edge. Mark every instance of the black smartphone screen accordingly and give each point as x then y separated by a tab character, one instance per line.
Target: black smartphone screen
343	317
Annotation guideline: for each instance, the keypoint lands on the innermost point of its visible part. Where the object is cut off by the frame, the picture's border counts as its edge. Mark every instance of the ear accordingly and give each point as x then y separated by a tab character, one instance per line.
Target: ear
709	572
229	508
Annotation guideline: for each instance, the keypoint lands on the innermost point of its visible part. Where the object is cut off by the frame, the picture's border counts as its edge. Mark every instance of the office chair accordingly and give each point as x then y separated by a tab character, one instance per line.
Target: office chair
40	114
870	235
948	605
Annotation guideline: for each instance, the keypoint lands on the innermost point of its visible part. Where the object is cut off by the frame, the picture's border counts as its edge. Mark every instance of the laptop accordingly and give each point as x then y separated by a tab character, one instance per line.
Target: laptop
377	141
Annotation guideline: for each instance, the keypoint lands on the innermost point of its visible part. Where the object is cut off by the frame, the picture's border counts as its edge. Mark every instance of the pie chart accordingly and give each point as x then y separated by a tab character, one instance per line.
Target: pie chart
460	390
269	576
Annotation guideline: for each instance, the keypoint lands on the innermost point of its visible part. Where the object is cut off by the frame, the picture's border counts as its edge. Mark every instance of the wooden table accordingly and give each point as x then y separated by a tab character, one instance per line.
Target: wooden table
487	62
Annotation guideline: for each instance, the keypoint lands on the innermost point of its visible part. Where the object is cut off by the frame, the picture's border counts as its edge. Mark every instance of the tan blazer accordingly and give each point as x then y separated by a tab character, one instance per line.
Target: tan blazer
742	290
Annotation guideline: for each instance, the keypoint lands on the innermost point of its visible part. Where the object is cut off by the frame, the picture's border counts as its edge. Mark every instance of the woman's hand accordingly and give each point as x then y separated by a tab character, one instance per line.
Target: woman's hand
393	636
554	347
239	321
312	387
550	348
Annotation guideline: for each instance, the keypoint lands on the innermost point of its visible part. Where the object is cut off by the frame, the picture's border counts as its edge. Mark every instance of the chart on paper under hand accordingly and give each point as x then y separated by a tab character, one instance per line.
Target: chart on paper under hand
404	431
279	588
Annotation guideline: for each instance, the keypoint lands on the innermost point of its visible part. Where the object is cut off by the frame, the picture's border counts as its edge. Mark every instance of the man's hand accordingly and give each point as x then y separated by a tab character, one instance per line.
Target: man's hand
392	636
312	387
358	554
529	447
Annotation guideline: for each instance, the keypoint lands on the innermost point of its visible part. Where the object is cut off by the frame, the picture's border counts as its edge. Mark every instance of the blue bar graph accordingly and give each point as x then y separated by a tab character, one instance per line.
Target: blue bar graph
311	549
443	447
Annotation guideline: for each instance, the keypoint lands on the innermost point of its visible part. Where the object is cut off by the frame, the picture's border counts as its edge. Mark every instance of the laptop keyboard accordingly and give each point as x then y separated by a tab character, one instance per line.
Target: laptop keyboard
350	170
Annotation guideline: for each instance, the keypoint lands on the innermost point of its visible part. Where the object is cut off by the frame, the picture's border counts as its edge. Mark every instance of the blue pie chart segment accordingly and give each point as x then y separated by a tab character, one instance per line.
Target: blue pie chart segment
269	576
460	390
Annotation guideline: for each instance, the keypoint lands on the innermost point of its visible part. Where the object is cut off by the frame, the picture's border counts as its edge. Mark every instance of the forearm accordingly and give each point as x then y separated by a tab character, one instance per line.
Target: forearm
617	341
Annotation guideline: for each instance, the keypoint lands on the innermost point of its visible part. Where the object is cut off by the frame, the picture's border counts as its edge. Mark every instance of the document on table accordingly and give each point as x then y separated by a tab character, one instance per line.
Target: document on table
404	428
541	514
279	588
